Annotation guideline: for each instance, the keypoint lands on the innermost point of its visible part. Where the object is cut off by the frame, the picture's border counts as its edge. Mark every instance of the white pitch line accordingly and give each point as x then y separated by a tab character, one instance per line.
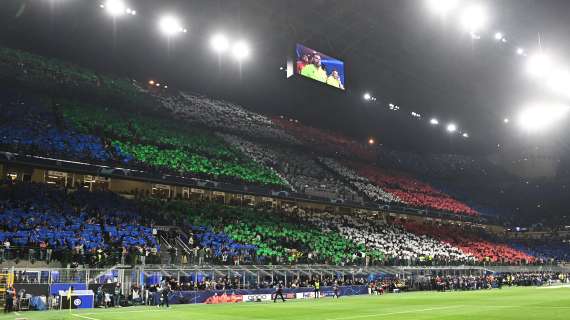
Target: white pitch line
395	313
85	317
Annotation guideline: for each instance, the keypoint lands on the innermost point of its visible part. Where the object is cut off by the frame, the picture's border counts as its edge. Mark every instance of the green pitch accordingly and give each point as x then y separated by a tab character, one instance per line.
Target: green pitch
508	303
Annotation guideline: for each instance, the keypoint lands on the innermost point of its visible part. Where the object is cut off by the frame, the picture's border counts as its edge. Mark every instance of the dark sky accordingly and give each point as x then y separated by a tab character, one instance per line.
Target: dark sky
395	49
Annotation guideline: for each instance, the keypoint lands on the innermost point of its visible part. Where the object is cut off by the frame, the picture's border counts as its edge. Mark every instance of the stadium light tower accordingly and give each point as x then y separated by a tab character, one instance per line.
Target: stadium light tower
474	19
451	127
220	43
170	26
240	50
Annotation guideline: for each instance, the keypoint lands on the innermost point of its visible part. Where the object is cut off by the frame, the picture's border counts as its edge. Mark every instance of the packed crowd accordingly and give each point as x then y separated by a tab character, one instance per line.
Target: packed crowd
222	116
51	75
166	144
43	222
471	240
28	126
413	192
122	133
485	282
301	171
40	222
396	245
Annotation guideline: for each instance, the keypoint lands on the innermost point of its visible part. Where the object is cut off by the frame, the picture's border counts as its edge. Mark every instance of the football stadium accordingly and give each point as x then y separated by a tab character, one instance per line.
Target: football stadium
281	159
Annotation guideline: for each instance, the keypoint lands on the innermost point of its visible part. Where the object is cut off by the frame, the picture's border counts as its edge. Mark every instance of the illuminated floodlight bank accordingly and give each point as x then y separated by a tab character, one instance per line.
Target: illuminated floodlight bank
171	26
434	121
542	117
116	8
240	50
474	19
220	43
367	96
452	127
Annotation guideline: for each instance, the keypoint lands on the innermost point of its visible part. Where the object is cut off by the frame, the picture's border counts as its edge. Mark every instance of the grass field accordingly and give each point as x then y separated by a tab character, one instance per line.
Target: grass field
508	303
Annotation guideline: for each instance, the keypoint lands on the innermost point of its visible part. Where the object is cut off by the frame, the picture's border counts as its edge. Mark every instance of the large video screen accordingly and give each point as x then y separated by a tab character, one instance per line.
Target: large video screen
320	67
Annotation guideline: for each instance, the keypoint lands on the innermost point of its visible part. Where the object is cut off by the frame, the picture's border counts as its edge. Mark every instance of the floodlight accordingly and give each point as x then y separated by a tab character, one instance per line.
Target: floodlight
434	121
474	19
442	7
370	141
170	26
498	36
240	50
219	43
367	96
539	65
115	7
541	117
451	127
506	120
465	135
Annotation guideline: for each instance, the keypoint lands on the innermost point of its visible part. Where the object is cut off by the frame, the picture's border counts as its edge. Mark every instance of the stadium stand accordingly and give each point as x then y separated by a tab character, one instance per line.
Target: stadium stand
471	241
412	191
301	171
224	142
83	227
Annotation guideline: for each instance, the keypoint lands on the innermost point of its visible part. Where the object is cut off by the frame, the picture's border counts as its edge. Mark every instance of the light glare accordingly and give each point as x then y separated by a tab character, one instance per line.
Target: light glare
442	7
115	7
434	121
451	127
240	50
539	65
541	117
220	43
170	26
559	82
473	19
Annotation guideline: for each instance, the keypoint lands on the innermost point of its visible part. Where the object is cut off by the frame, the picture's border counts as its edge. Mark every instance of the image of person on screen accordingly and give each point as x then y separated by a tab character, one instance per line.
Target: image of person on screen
334	80
315	70
302	63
